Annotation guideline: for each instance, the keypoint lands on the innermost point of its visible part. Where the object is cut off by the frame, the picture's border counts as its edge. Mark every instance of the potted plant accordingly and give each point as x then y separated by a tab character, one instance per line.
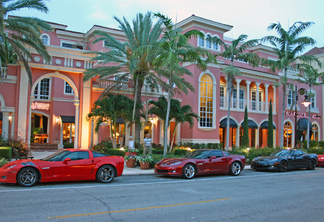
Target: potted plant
130	160
130	150
145	161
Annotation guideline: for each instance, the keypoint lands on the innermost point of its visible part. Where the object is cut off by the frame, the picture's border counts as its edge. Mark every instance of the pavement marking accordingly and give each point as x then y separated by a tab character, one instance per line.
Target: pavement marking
136	209
63	187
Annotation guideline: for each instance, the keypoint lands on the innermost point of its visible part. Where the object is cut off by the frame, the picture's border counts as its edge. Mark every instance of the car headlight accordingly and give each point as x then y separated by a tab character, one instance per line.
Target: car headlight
10	167
175	163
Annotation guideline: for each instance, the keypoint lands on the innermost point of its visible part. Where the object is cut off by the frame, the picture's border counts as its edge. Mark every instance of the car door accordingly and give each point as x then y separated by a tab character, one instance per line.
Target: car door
300	159
74	166
217	164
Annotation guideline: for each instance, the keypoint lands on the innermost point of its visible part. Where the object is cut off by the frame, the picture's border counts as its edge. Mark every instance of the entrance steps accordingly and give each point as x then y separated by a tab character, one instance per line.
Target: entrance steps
44	146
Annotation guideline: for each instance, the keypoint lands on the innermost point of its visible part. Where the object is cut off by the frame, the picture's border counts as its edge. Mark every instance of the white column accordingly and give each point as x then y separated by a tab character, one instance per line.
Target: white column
257	96
5	125
266	100
257	138
178	134
161	132
12	125
86	108
127	133
237	136
23	105
238	92
247	94
76	133
274	99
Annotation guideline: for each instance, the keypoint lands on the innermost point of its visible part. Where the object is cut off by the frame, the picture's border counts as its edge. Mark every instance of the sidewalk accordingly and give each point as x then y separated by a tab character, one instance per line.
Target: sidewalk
127	171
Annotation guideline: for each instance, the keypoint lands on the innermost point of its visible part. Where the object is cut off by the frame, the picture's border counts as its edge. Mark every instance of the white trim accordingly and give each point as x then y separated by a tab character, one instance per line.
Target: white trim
65	93
2	101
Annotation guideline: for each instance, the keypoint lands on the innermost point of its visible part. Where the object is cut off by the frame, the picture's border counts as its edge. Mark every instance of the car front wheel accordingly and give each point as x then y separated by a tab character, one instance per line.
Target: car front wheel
235	169
27	177
283	165
189	171
311	164
105	174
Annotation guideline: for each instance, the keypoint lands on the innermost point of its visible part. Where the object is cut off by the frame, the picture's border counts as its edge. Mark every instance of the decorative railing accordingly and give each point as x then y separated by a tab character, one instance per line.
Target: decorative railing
253	105
112	84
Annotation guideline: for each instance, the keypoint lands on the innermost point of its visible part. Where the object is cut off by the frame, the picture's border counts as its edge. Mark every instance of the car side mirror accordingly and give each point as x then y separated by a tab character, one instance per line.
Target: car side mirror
66	160
213	157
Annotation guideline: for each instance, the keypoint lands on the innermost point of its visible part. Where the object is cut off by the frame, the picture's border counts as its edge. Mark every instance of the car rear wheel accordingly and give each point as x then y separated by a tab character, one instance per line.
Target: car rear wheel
105	174
27	177
189	171
283	165
311	164
235	169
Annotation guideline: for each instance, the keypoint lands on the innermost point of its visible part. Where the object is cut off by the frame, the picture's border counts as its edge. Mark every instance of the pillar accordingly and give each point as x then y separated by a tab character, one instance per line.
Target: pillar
257	97
12	133
238	92
76	133
5	125
248	94
266	100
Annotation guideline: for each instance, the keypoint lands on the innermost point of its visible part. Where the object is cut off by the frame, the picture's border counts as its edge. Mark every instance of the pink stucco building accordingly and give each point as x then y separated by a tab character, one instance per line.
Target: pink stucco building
59	100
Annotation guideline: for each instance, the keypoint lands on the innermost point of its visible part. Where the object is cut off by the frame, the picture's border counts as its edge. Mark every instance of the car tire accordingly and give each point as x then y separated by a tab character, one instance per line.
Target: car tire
283	165
105	174
311	164
27	177
189	171
235	169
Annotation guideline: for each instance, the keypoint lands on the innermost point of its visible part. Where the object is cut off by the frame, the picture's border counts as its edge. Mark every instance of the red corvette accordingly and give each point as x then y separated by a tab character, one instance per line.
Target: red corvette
202	162
320	160
64	165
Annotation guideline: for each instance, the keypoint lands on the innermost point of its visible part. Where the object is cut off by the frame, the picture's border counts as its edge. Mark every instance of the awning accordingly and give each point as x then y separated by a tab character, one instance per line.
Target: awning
68	119
1	116
223	123
252	124
120	120
302	124
264	125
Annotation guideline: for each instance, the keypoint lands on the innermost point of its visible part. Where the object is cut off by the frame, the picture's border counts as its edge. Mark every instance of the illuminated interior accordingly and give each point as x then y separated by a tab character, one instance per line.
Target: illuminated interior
287	135
68	132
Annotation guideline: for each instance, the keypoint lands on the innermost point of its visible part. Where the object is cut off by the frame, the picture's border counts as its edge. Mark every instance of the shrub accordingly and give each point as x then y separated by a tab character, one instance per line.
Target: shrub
68	145
251	153
321	144
316	150
5	152
3	161
114	152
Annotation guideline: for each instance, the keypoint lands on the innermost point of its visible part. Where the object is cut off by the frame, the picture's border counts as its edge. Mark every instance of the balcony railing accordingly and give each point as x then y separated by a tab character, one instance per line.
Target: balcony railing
112	84
253	105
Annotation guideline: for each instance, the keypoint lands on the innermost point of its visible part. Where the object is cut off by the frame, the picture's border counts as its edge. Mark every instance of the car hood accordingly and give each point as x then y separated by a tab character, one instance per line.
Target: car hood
172	160
265	158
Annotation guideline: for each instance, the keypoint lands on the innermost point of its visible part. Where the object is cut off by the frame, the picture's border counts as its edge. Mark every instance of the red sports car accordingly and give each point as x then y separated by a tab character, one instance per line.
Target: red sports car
320	160
202	162
64	165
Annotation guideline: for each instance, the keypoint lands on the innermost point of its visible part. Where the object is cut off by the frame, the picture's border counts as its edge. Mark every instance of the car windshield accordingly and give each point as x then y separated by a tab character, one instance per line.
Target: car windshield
199	154
56	156
282	153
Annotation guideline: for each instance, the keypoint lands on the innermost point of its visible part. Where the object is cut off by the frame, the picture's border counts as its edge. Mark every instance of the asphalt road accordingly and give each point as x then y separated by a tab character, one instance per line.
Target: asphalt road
252	196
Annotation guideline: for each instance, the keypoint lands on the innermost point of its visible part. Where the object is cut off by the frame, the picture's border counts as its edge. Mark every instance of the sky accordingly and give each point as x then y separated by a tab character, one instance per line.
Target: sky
251	17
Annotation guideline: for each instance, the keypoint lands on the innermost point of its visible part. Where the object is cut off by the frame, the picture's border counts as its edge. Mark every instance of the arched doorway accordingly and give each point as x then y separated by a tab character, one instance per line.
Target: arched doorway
222	132
287	134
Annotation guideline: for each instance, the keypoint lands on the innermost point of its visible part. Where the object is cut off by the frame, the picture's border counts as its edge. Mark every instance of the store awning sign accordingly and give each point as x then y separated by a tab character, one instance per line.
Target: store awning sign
41	106
305	115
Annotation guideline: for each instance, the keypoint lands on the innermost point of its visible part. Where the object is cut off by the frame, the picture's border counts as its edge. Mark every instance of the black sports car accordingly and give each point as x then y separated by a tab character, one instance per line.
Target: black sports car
283	160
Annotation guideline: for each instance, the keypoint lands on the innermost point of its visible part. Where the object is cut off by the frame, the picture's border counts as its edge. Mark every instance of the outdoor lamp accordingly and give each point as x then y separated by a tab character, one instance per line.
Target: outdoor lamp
306	102
57	120
10	117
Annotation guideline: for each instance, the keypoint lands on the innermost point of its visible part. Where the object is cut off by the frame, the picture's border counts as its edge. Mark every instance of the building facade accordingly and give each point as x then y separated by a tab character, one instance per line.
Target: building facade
59	100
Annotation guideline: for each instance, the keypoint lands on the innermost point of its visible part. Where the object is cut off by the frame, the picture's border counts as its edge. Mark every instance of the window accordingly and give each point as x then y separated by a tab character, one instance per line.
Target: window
234	98
215	46
45	39
42	89
287	134
67	88
222	96
72	45
290	99
314	132
206	101
216	153
201	42
253	100
313	101
81	155
241	102
208	41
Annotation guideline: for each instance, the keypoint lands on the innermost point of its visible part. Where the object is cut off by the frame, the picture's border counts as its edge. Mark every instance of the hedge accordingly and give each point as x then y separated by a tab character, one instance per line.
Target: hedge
6	152
68	145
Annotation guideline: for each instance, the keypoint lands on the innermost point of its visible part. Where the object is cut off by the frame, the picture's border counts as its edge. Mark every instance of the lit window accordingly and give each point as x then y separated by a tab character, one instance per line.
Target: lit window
206	101
42	89
314	132
287	134
67	88
222	96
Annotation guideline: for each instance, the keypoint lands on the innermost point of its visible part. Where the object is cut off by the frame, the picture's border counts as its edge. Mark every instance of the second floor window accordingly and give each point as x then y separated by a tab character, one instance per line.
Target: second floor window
201	41
67	88
290	98
42	89
45	39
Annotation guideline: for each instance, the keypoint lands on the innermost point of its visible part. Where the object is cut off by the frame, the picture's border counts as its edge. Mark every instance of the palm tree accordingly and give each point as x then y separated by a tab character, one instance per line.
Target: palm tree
288	46
109	109
175	50
310	76
236	51
18	32
131	57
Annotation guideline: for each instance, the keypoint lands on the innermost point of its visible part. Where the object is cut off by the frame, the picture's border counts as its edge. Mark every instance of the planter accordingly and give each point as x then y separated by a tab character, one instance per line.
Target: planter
130	153
131	163
144	166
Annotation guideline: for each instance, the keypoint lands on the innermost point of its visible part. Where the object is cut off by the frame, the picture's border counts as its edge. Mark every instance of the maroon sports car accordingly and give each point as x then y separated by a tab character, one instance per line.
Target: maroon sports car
202	162
65	165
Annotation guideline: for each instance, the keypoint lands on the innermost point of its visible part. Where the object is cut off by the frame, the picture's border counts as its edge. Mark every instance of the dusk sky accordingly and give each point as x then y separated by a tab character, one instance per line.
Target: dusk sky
251	17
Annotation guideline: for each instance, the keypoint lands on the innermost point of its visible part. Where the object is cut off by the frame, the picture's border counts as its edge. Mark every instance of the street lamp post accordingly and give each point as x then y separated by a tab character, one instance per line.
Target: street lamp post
307	103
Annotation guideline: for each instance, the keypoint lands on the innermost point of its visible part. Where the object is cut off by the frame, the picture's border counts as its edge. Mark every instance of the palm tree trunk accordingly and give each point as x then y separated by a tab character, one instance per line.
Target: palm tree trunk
173	135
166	124
283	112
229	93
113	135
138	99
309	109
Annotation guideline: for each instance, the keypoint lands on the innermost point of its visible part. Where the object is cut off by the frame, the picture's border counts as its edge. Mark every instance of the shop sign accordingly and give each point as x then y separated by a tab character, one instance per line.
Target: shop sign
305	115
42	106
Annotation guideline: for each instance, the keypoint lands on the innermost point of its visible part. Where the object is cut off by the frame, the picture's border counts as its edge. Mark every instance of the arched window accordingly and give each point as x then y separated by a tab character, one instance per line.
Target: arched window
208	41
206	101
287	134
314	132
201	41
42	89
215	46
45	39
